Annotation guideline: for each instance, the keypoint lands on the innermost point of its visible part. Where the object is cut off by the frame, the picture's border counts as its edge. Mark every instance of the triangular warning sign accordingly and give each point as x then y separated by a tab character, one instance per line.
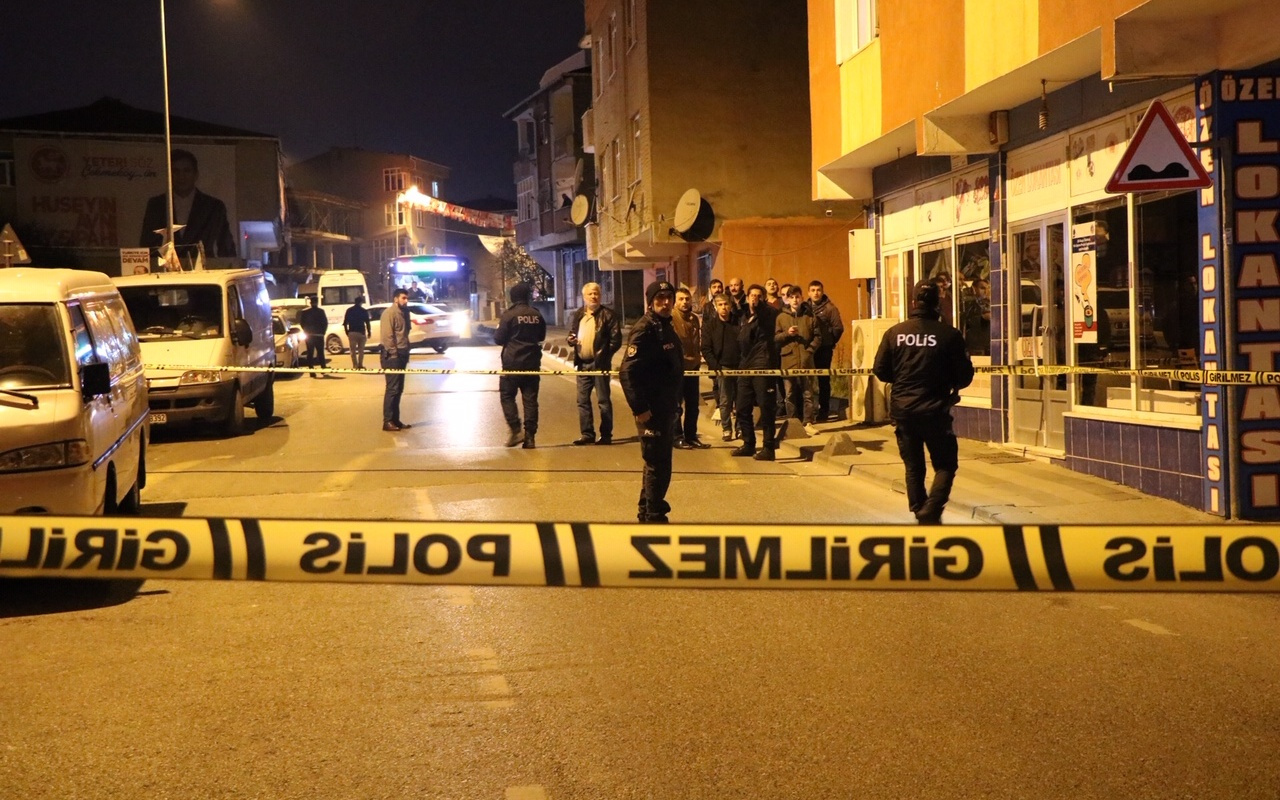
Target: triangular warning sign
1158	157
11	250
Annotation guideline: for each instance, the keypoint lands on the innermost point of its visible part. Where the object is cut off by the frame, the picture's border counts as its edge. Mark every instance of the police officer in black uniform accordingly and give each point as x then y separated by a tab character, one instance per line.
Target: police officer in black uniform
651	374
520	331
926	361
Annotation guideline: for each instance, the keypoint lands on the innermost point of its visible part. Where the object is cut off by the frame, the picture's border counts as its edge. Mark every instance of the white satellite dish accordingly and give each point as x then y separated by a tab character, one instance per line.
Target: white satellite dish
694	219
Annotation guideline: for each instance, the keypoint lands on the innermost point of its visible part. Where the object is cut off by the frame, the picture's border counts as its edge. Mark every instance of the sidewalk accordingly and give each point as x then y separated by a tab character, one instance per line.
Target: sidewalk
993	485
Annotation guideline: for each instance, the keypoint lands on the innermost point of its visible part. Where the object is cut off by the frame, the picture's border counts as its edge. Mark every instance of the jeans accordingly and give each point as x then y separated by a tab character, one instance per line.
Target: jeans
586	418
315	349
357	340
762	392
690	405
822	360
727	400
527	385
934	432
395	386
799	399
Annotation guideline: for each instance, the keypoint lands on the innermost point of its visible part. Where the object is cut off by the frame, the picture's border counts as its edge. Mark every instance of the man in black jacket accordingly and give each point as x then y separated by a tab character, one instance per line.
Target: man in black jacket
926	361
315	323
720	351
595	334
651	373
520	333
759	351
832	327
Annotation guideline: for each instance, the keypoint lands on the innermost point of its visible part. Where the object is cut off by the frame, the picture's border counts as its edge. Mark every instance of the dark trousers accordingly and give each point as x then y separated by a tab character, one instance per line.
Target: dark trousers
822	360
914	434
686	421
586	417
315	349
762	392
799	398
527	385
727	400
656	444
395	386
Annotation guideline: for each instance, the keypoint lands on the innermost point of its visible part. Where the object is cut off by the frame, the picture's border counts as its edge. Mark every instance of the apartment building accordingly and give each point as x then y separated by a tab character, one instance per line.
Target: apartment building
983	134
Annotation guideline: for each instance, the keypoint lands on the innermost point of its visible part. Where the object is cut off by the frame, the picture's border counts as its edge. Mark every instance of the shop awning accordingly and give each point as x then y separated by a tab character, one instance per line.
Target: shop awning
852	171
1185	38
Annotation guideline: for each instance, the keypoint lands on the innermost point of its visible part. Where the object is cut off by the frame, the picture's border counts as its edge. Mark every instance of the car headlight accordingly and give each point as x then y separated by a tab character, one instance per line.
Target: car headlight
45	456
200	376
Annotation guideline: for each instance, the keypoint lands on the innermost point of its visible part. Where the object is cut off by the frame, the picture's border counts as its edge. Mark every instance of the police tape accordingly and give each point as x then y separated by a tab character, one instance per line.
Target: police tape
992	558
1194	376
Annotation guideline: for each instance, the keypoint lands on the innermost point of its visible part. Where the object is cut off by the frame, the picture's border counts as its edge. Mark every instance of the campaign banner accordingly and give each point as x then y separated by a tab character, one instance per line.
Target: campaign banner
1084	283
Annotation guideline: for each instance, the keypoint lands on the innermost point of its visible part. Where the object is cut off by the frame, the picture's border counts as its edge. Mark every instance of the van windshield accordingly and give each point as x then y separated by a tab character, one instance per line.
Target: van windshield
175	312
33	350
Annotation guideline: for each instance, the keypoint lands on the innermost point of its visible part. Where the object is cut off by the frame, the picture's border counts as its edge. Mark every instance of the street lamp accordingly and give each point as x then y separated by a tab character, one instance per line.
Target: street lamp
168	147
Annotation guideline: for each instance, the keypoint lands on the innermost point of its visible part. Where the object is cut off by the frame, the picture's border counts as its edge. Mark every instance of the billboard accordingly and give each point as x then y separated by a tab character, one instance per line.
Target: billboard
97	192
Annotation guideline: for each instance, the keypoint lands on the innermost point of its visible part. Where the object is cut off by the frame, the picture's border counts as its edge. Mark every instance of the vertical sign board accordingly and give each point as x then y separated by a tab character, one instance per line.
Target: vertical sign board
1213	437
1084	283
1241	110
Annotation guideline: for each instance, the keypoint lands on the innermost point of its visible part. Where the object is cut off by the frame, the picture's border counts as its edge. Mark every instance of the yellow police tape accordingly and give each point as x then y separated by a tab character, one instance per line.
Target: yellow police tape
1198	376
993	558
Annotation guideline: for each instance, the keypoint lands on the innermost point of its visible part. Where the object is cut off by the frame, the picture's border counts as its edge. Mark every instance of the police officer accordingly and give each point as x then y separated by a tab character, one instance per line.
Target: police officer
651	374
520	332
926	361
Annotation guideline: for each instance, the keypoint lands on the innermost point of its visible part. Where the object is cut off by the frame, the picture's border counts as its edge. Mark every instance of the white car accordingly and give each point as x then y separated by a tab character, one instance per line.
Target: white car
430	325
290	342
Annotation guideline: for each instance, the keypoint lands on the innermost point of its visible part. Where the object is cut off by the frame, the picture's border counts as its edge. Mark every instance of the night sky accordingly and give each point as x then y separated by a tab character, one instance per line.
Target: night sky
426	77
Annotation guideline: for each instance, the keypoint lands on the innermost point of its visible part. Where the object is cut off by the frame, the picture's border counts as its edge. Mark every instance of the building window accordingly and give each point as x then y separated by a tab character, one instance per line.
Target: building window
393	215
435	188
527	199
636	163
393	180
617	169
629	21
613	44
856	26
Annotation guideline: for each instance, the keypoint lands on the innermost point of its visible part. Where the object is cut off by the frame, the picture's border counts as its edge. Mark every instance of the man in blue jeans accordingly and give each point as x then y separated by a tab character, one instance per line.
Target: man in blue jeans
394	338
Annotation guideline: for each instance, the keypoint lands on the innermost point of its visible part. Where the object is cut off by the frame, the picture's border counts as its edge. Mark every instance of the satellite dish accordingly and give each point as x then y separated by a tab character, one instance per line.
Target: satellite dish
694	218
580	211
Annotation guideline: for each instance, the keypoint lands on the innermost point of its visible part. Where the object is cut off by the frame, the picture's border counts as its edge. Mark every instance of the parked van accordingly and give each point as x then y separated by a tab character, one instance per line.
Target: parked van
192	323
73	396
338	290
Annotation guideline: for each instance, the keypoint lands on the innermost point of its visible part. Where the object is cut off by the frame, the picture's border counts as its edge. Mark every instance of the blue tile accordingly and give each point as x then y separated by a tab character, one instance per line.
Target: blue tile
1112	449
1111	471
984	427
1149	482
1148	447
1170	486
1189	449
1128	446
1169	459
1192	491
1129	475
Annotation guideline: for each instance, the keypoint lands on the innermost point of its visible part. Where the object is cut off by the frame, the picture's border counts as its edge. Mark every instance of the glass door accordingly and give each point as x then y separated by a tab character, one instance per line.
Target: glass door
1037	309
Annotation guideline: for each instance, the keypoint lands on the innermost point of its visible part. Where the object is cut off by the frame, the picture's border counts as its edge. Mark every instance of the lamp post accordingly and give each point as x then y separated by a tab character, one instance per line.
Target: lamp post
168	148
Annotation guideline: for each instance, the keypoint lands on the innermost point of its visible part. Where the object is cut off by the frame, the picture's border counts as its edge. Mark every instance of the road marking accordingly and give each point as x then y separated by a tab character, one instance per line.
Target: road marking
460	595
1150	627
526	793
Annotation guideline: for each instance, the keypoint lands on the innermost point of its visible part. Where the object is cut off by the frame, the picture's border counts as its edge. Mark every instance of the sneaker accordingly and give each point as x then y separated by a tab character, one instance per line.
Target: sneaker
745	451
515	438
584	439
765	454
727	436
528	442
811	429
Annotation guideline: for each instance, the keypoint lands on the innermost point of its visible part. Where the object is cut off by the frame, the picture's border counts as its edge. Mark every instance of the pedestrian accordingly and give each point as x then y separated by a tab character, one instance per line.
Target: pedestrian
798	338
356	323
315	324
759	352
714	290
688	327
651	371
738	297
595	334
772	296
520	333
832	327
720	351
926	361
393	337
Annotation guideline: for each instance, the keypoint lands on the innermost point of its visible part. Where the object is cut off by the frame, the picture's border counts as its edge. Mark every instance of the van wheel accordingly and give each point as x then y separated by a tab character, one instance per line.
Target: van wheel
265	406
132	502
333	345
109	505
234	426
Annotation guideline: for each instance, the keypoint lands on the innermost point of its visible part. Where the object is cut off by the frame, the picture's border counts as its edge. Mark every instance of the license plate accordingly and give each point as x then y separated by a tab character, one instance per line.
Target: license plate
158	418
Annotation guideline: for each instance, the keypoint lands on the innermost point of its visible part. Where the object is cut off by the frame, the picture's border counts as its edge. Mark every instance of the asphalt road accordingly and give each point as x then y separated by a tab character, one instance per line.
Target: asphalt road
211	690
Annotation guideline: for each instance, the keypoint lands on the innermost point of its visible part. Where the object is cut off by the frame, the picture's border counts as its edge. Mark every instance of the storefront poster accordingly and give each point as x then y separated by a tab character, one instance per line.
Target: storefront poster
1084	283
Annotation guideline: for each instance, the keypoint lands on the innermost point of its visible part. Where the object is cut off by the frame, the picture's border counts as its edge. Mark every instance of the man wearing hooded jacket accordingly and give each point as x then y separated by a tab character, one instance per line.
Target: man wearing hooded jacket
926	361
651	374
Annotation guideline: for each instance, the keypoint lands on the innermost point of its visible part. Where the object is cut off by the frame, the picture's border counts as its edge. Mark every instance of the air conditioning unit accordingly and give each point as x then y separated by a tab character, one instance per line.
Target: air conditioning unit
868	397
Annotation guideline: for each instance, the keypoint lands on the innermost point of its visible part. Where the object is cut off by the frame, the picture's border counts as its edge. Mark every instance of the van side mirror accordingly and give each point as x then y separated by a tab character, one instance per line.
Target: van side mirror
241	333
95	380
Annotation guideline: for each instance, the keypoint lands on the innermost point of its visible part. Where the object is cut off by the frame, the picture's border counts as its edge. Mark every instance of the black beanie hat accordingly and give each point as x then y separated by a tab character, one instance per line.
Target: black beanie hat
520	293
656	288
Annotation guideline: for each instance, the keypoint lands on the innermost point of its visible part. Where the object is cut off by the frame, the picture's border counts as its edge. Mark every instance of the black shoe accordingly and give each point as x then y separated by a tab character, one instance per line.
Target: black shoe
697	444
765	454
391	427
528	442
681	444
727	436
585	439
928	519
605	440
515	438
745	451
404	425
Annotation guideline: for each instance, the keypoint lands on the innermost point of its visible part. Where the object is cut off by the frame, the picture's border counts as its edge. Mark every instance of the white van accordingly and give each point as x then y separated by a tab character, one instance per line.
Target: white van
73	397
337	291
192	323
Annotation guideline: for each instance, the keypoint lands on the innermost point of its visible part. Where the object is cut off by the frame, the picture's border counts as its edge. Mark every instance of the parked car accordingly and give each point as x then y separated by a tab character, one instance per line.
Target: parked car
291	342
1116	302
430	325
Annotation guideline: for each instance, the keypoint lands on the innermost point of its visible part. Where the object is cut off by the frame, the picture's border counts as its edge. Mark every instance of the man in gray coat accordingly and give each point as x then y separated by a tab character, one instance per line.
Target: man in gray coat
394	338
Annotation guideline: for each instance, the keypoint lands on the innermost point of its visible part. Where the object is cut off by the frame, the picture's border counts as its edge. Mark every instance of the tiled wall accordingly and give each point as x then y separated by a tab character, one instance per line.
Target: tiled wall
1164	462
982	424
